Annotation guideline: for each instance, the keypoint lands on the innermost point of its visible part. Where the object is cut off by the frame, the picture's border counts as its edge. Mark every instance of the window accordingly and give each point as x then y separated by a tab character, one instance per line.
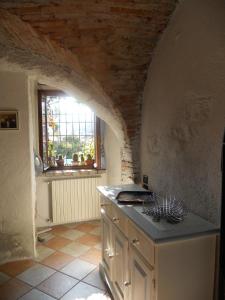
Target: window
68	131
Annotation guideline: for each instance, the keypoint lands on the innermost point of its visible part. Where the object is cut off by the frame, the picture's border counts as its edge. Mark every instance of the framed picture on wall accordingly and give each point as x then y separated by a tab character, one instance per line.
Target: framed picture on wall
9	120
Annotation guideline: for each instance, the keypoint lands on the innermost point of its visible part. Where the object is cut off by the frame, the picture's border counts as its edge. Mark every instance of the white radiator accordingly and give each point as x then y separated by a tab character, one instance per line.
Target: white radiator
75	200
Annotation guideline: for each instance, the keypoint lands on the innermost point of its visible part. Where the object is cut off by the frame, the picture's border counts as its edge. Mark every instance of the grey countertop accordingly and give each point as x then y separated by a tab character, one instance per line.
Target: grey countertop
162	231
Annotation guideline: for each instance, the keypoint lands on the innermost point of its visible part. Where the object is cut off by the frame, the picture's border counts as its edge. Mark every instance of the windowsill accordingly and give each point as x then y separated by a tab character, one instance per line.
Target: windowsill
70	168
73	173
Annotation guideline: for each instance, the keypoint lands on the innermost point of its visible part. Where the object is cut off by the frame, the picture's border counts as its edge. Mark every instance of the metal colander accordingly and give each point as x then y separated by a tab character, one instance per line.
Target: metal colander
168	207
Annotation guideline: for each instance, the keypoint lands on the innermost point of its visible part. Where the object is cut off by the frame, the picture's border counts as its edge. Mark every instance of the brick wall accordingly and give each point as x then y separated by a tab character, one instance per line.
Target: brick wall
106	46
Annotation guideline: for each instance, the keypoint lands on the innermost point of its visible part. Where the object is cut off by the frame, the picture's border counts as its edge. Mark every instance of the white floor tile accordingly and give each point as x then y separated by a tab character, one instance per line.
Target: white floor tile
57	285
72	234
36	295
75	249
36	274
83	291
94	279
96	231
43	252
78	268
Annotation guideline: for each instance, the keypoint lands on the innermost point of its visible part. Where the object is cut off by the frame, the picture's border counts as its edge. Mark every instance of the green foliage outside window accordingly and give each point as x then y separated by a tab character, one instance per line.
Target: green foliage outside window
66	145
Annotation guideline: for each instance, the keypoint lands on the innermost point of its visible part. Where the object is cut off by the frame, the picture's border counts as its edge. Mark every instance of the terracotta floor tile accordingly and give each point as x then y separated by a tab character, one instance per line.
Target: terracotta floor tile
86	227
57	260
59	229
57	243
93	256
71	225
95	222
13	289
16	267
89	240
3	278
57	285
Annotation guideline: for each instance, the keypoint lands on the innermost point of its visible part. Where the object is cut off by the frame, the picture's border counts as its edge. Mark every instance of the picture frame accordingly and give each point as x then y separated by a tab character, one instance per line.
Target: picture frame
9	120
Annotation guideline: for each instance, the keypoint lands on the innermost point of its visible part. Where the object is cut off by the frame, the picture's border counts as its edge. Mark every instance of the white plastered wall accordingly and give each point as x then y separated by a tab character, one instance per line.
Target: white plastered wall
112	162
112	147
184	108
17	183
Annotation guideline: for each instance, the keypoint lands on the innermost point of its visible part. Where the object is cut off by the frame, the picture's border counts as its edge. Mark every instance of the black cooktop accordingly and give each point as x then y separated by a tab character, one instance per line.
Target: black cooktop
133	196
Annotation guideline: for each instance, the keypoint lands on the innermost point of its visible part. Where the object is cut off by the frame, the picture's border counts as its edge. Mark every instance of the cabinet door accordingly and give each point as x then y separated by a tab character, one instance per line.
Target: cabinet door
120	264
107	250
141	278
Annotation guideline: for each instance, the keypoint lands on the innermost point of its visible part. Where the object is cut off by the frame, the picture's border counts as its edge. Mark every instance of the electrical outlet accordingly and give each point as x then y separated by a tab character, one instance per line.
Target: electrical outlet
145	182
145	179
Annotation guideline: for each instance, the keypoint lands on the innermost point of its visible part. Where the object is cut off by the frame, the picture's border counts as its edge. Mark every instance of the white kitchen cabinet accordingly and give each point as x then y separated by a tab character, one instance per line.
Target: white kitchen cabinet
107	249
120	274
137	268
114	252
141	277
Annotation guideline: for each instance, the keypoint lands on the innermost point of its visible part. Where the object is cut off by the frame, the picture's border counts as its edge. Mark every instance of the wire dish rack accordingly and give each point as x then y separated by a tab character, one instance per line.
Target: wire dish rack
167	207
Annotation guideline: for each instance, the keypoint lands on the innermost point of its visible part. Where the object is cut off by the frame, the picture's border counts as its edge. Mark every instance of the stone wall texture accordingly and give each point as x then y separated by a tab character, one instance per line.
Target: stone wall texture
184	108
102	47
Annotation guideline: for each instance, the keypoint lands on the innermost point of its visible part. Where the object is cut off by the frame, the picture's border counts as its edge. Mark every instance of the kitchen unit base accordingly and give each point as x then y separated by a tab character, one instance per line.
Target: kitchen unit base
137	267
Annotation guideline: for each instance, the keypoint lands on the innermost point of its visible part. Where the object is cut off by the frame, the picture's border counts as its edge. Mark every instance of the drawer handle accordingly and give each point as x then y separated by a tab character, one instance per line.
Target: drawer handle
115	220
127	283
135	242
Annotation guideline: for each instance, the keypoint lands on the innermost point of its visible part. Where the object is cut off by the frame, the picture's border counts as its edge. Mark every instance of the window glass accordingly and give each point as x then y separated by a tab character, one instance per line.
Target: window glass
68	128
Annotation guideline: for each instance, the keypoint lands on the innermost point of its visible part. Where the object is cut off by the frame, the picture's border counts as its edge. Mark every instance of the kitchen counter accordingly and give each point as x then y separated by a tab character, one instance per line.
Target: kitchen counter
162	231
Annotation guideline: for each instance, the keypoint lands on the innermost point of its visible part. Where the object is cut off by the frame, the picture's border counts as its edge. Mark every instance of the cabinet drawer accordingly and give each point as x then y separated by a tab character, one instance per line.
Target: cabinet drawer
142	243
119	219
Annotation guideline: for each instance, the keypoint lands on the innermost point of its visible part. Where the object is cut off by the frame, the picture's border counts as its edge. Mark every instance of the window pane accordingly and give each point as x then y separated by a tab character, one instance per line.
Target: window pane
63	118
69	118
56	118
50	130
89	129
82	129
70	128
76	129
62	129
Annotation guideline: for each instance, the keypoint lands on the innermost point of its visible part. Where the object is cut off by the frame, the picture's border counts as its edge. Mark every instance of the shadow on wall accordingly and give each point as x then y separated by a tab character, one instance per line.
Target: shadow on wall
184	108
17	238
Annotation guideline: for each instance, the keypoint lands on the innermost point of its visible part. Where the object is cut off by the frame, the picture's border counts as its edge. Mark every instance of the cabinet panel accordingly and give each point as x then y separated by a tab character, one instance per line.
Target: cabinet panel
142	243
106	206
139	269
107	249
119	219
141	278
120	264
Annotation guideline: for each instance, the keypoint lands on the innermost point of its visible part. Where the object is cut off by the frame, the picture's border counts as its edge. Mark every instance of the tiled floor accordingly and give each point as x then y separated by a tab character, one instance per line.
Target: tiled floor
66	267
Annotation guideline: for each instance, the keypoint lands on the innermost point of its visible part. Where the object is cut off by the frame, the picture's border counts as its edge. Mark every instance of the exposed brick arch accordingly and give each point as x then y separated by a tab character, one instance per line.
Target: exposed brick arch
21	48
98	49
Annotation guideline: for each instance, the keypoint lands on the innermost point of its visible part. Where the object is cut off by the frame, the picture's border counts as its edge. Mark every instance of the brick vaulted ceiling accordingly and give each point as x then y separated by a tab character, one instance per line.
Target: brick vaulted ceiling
113	39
